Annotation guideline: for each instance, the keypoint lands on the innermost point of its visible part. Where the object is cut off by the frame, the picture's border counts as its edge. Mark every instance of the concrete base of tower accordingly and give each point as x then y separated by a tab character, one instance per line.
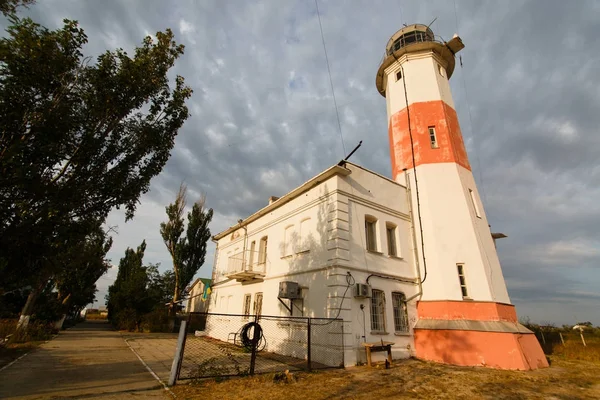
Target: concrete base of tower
471	333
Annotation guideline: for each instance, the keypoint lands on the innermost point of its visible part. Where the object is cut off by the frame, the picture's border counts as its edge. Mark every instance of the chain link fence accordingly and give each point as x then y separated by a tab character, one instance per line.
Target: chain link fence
218	345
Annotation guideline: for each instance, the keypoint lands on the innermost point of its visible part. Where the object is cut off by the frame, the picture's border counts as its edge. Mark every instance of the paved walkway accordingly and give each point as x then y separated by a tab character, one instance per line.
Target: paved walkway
87	361
156	349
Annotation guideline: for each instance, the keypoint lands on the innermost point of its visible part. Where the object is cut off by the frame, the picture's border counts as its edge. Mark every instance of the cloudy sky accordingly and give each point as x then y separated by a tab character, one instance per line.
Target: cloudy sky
263	119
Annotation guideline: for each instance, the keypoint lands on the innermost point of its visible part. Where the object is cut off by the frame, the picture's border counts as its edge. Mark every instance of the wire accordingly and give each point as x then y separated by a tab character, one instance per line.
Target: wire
337	114
349	281
412	149
464	84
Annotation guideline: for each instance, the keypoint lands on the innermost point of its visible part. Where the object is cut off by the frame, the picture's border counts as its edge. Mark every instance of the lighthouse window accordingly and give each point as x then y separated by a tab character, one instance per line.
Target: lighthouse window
433	137
474	201
398	75
462	280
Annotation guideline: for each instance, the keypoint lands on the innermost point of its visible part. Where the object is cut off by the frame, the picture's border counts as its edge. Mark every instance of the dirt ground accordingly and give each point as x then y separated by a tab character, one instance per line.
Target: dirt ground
411	379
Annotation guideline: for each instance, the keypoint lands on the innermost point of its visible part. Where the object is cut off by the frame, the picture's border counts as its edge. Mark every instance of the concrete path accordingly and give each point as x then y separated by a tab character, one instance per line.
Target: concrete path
87	361
156	349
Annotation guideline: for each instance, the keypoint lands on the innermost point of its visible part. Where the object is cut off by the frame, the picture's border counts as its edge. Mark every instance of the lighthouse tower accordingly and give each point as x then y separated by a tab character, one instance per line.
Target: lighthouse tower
464	313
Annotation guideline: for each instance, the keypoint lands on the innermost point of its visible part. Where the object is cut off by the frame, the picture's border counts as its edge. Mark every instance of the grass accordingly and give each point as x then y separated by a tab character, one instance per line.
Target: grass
574	374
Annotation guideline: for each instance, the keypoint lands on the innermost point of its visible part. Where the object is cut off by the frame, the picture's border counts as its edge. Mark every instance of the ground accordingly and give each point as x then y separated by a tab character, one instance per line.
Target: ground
412	379
87	361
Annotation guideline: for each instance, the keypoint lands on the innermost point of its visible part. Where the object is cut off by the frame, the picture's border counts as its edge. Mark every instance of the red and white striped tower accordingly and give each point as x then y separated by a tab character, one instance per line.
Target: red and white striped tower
464	314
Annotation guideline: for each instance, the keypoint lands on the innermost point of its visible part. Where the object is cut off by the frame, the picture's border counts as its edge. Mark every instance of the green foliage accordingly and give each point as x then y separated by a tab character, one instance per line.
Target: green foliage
137	299
77	139
188	252
10	6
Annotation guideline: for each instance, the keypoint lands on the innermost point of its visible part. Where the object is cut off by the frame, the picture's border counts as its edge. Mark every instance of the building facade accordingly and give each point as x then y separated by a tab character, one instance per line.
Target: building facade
420	243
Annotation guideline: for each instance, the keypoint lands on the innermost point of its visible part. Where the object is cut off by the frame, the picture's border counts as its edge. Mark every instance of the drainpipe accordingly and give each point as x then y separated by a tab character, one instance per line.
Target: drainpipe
414	238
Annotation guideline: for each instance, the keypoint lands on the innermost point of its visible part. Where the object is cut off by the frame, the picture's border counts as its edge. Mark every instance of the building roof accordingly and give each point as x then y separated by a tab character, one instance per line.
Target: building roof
337	169
205	281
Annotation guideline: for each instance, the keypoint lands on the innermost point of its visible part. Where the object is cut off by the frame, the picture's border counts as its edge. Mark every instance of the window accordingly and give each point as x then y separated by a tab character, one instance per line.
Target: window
288	234
391	239
262	251
258	303
371	233
251	255
400	312
377	311
304	244
474	201
398	75
441	69
246	309
462	280
432	137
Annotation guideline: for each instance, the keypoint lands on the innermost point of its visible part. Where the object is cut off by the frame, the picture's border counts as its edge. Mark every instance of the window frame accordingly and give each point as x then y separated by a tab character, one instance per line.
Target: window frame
400	311
433	135
462	280
371	245
257	308
391	229
262	250
377	307
288	233
251	255
246	305
474	202
304	246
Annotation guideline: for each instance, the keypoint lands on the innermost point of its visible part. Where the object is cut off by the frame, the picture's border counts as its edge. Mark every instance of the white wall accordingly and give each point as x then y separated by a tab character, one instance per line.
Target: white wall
423	82
453	234
337	208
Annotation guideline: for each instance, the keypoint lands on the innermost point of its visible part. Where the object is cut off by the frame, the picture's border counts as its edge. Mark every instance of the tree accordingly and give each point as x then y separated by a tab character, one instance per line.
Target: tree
128	298
10	6
187	252
77	139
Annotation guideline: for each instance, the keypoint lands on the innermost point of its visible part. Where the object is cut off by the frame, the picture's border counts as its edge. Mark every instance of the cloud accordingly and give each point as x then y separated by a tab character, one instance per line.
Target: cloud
263	120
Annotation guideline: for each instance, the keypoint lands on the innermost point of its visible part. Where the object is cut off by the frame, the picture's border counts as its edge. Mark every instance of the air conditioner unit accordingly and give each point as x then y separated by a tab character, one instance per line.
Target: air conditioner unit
289	290
362	290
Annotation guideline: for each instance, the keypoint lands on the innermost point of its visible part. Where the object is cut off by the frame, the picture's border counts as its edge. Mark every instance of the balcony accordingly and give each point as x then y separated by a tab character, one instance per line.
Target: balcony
246	267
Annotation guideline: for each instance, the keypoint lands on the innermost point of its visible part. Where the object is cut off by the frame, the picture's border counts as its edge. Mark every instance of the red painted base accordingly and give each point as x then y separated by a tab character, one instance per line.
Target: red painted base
483	345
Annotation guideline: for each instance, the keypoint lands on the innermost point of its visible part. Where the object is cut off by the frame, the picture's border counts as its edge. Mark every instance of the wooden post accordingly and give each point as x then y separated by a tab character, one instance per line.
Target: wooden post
176	366
389	352
543	338
582	339
561	338
368	349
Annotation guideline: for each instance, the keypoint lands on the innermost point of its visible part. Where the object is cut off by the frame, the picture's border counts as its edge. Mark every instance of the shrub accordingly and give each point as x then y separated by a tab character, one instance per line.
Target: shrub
157	321
36	331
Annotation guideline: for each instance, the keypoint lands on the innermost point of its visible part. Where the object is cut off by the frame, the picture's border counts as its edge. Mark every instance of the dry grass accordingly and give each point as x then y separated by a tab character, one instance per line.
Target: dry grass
566	379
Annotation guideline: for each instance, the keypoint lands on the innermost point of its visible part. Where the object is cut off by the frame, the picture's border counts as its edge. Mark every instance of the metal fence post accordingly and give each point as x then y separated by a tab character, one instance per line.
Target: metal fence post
308	362
176	366
254	346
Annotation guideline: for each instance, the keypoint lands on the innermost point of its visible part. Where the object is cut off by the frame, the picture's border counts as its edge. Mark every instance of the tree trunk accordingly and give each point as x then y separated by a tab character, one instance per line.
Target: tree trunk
173	310
28	308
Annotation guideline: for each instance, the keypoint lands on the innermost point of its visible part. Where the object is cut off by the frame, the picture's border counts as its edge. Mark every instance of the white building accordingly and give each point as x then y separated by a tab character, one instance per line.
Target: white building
197	300
421	241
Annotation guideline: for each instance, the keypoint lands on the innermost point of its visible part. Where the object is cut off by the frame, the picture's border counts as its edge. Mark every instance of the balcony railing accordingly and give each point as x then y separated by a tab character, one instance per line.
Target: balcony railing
246	266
